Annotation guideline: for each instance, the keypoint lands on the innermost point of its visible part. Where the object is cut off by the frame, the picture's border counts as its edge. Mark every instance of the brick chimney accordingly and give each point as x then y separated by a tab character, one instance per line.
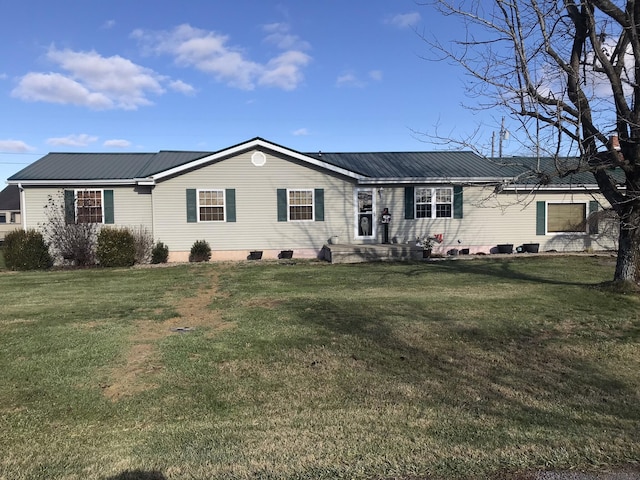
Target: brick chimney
615	142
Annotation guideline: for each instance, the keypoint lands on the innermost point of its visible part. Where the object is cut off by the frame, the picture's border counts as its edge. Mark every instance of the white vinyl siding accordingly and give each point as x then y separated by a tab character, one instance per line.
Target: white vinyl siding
256	206
131	205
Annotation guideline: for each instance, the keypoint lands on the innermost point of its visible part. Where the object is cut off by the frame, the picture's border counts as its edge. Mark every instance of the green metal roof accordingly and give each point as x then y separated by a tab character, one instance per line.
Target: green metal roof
524	169
129	166
382	166
438	164
102	166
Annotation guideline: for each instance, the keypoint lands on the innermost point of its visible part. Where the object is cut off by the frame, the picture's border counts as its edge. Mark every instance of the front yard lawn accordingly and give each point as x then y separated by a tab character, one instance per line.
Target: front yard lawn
481	368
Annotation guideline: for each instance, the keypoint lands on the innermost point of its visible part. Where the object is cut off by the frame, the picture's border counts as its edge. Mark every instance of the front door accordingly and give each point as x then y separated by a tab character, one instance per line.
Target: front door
365	213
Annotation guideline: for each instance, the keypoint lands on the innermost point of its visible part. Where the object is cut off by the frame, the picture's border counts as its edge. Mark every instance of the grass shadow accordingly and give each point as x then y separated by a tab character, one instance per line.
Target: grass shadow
511	269
139	475
525	375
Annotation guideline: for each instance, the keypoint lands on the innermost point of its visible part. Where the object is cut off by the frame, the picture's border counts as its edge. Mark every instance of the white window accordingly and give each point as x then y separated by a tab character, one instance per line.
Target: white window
433	202
211	205
89	206
300	204
566	217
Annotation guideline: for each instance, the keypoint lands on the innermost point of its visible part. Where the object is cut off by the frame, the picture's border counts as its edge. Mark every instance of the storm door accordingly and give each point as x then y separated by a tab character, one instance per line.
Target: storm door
365	213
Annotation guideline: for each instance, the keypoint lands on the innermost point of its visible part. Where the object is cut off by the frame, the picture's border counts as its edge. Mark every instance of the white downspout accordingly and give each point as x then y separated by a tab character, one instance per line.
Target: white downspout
23	209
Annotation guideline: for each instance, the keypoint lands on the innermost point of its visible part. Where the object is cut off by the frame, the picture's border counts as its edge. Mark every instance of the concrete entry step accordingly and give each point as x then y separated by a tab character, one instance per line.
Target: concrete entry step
347	253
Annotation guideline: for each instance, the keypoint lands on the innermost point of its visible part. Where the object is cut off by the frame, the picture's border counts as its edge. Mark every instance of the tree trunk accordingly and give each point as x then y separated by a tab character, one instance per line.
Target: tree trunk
629	244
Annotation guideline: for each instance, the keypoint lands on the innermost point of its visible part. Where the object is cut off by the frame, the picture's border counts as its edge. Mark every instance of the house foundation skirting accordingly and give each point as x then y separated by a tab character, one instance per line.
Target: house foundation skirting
237	255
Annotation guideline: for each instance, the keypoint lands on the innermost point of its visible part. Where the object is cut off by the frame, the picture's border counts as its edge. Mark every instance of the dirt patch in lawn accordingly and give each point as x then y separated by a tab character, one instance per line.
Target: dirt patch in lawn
142	361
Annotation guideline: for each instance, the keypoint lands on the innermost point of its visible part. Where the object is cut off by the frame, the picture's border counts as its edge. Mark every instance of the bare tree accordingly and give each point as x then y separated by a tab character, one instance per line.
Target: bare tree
568	73
69	240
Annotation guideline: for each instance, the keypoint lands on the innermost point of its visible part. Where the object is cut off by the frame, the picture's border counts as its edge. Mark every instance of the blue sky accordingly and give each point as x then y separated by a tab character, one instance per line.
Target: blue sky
144	75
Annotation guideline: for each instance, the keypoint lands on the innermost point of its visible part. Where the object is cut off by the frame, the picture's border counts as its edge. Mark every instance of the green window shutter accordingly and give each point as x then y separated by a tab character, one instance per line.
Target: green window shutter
69	207
230	204
192	206
108	206
409	199
318	200
541	220
282	205
593	219
457	201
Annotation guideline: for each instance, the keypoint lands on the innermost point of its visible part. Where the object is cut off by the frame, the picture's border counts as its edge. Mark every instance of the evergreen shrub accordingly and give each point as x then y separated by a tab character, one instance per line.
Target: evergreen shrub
116	247
160	253
200	251
26	250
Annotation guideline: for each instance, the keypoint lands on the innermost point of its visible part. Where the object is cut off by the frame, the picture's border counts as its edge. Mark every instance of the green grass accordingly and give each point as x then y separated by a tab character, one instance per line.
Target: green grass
457	369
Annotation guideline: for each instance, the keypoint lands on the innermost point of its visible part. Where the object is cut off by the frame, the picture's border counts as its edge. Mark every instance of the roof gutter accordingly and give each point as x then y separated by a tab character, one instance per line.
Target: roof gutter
431	180
149	182
556	187
106	181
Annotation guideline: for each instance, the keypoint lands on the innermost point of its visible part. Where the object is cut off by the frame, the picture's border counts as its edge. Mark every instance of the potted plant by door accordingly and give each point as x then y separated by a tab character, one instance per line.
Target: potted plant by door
427	243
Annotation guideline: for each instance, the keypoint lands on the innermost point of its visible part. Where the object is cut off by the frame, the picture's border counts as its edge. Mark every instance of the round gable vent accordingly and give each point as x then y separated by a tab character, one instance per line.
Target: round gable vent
258	159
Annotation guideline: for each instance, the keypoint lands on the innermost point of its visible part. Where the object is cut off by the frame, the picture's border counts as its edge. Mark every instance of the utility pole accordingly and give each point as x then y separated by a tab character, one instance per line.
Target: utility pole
504	135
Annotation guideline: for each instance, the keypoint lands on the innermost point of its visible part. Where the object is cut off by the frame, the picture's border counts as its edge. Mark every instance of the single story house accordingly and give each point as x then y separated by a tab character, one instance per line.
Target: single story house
258	195
9	210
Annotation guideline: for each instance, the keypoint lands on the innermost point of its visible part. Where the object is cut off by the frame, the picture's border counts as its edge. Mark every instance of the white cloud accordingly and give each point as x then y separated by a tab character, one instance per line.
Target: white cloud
117	143
279	35
349	80
182	87
81	140
3	76
109	24
375	75
285	71
211	52
15	146
56	88
405	20
94	81
301	132
126	83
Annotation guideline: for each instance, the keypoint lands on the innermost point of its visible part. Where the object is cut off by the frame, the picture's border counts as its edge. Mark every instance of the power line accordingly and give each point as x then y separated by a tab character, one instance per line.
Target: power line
21	153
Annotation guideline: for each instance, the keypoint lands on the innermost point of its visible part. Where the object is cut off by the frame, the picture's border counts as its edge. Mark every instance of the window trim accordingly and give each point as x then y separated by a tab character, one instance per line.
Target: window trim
434	203
224	204
86	190
312	193
585	231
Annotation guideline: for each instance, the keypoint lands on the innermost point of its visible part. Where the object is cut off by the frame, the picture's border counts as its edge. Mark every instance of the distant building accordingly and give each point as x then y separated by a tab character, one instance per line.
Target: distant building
9	210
